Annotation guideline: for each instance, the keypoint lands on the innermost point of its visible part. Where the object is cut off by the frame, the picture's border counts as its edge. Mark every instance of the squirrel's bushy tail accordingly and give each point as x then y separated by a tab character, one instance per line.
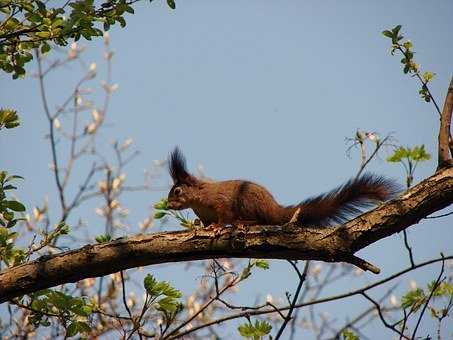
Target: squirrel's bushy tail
344	202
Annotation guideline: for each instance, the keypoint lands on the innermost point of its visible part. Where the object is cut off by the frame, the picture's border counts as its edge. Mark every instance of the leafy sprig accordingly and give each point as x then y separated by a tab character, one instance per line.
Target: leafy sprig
162	211
409	158
255	331
405	47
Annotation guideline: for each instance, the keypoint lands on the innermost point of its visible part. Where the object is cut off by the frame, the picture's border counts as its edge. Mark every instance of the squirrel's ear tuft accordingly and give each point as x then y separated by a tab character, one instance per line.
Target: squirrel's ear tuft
177	168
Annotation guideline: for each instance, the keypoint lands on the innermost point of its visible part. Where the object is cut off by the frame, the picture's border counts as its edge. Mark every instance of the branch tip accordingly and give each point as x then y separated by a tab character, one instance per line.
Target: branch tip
361	263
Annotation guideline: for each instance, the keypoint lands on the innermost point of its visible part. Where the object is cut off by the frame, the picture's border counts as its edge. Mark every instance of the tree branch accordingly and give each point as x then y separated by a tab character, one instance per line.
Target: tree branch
444	157
334	244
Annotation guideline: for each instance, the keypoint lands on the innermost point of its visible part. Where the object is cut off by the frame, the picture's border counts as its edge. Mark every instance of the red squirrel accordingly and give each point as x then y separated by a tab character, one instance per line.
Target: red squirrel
242	203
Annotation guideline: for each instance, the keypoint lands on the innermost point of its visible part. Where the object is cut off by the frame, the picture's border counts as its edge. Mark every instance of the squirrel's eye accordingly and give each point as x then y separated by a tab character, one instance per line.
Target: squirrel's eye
178	191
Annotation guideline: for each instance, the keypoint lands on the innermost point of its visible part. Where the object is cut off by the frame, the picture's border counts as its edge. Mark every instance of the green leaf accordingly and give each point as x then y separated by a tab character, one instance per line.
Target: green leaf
398	155
45	48
10	178
428	76
396	29
263	264
262	328
413	299
11	224
72	329
255	331
171	4
149	282
16	206
121	21
83	327
387	33
103	238
161	205
419	154
8	215
82	309
168	304
443	289
159	214
247	330
8	117
347	334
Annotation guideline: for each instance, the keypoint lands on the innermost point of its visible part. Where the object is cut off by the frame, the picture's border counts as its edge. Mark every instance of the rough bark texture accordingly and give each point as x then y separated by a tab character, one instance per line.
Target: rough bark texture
445	142
270	242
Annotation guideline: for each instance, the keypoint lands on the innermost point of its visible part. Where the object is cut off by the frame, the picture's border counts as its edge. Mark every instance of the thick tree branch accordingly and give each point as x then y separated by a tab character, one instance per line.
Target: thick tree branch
272	242
445	142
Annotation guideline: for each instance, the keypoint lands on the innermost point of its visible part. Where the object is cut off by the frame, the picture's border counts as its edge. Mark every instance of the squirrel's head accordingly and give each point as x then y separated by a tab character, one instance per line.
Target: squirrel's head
184	184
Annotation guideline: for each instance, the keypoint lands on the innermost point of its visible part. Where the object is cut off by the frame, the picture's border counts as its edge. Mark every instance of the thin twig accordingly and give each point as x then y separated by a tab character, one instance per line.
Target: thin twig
124	295
313	302
436	284
381	316
408	247
373	154
365	313
302	277
51	134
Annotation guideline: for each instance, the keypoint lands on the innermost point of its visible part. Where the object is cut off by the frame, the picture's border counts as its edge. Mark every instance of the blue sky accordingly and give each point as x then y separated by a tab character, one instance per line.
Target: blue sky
259	90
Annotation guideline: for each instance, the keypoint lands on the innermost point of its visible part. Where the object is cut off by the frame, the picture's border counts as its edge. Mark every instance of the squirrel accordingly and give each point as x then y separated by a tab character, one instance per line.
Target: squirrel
244	203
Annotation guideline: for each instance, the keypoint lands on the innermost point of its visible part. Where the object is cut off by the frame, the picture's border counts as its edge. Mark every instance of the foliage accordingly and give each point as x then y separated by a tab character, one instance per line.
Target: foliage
8	208
8	119
73	312
258	263
347	334
409	158
255	331
414	299
103	238
9	254
163	297
29	25
410	66
163	211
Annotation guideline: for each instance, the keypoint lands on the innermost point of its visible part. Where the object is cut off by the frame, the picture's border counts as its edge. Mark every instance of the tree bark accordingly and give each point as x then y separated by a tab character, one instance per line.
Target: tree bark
331	244
445	151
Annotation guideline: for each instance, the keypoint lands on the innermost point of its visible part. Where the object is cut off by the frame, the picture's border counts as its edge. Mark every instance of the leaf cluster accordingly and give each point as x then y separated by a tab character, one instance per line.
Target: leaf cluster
409	158
408	61
9	119
416	298
347	334
255	331
103	238
9	253
162	295
162	211
32	24
73	312
415	154
8	208
258	263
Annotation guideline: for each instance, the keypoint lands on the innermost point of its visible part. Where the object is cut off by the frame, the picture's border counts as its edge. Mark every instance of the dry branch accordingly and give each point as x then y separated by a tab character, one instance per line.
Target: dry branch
271	242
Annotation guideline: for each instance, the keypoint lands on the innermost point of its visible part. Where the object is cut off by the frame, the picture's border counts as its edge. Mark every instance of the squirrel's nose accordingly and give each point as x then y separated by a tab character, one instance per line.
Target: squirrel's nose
172	205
